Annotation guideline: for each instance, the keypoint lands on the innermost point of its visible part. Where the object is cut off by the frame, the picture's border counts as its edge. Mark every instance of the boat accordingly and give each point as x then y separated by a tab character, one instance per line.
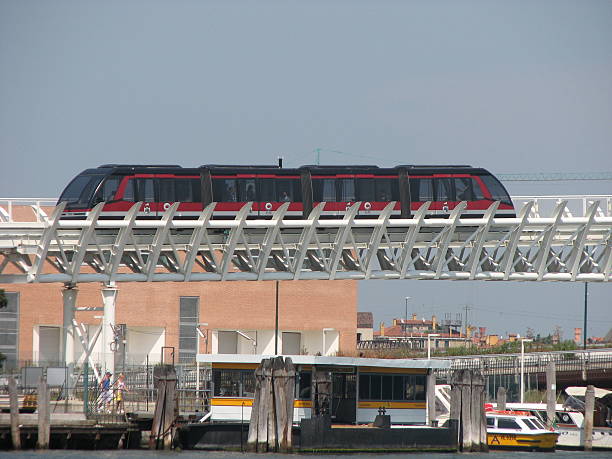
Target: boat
518	430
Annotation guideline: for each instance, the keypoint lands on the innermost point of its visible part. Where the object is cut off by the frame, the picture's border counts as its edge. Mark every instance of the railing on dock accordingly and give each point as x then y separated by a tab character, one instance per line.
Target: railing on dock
78	391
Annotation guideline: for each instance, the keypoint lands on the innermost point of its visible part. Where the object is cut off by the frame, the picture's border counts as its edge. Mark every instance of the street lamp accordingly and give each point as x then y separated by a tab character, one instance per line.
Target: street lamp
428	344
523	341
198	336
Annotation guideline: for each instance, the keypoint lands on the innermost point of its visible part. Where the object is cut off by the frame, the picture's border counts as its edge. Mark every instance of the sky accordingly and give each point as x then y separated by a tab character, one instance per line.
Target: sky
513	86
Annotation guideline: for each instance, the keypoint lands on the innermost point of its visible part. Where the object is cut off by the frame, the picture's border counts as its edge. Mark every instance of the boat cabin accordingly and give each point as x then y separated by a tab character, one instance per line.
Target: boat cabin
354	390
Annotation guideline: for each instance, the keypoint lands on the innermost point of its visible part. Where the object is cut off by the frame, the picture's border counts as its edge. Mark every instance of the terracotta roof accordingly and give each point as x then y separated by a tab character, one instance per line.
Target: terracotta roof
365	320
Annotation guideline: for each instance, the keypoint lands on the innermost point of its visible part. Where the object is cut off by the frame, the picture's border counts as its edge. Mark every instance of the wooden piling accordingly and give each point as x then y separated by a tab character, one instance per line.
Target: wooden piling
589	408
501	398
551	394
44	415
165	411
271	421
467	406
431	398
14	405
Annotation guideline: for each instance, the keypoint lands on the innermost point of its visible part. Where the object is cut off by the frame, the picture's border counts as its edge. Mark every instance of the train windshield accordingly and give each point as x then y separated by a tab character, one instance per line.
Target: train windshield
497	190
81	189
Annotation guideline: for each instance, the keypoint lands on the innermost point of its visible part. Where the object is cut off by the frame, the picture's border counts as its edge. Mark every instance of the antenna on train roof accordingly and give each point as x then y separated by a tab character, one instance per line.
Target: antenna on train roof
280	162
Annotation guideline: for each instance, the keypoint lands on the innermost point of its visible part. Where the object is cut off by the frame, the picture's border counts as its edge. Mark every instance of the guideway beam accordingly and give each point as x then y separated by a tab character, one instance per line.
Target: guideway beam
556	248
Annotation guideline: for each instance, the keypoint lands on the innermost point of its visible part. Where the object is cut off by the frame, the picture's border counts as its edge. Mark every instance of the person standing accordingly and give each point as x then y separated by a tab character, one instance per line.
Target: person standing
105	393
120	389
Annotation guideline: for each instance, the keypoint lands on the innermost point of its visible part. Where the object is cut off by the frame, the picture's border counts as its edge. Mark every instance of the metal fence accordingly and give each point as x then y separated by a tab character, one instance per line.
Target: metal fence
78	390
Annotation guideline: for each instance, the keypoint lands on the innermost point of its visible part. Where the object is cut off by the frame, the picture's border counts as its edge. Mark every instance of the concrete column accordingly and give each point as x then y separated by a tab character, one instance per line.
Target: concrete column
69	296
109	297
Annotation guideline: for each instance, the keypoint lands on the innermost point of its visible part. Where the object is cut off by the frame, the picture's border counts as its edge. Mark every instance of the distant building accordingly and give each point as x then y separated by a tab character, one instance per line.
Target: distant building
365	326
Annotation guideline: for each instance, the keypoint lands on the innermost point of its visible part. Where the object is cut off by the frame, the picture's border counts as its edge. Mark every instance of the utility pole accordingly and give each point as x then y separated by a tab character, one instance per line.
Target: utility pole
584	332
466	308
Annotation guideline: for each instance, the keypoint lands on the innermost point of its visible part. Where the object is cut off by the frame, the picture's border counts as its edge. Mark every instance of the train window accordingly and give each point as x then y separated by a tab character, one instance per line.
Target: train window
187	190
128	194
166	190
267	190
421	189
444	191
386	189
463	189
478	195
497	190
288	190
81	188
490	422
366	191
246	190
347	190
324	190
224	190
108	190
145	188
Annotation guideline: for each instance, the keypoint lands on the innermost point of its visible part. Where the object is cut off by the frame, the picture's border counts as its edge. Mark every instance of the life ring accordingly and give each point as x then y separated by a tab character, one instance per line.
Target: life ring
367	206
268	206
167	205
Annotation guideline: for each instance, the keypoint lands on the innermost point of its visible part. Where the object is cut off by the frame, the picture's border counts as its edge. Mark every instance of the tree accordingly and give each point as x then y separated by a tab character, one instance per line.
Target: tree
3	299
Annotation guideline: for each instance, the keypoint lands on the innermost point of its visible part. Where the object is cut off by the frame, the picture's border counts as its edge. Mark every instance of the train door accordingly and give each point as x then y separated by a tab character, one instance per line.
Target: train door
344	398
186	190
232	192
273	191
345	190
421	191
133	189
324	189
444	195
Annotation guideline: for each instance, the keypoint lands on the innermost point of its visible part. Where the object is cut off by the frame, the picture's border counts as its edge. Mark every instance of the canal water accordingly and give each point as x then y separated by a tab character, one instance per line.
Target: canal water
135	454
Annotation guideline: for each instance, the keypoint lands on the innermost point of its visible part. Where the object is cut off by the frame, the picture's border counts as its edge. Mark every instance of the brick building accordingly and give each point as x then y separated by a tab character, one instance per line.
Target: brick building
315	317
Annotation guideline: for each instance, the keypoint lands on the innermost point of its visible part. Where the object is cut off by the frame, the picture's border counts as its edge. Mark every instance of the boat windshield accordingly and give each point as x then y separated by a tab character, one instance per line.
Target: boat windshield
531	423
80	190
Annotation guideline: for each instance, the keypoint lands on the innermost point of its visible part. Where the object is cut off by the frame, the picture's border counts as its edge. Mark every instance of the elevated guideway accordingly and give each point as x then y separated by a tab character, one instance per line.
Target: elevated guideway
563	246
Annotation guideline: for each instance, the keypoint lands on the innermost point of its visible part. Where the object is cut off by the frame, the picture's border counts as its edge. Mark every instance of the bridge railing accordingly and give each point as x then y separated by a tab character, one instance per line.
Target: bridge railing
14	209
576	206
535	362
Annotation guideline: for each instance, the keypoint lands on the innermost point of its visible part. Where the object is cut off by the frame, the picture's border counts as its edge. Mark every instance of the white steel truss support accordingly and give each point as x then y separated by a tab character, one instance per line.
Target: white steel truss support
69	296
109	298
426	246
88	346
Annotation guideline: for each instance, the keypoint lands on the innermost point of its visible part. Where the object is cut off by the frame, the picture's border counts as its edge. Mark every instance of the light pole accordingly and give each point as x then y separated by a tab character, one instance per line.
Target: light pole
428	344
199	335
406	317
523	341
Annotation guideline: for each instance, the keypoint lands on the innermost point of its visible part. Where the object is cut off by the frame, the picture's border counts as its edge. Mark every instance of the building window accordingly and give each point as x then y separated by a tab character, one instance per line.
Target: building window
9	330
49	342
291	343
392	387
234	383
188	322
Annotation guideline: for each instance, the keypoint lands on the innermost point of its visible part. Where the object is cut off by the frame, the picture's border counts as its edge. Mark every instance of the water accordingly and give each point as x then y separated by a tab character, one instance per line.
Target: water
135	454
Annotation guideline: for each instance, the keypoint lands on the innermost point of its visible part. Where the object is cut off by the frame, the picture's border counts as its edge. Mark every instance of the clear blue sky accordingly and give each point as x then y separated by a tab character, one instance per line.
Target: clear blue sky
514	86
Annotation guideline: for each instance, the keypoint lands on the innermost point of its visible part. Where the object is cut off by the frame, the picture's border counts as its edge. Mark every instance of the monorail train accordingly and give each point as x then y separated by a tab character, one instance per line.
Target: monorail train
268	187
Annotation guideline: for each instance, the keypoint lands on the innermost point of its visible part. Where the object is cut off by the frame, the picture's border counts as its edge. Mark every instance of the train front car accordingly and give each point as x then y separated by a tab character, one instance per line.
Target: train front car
80	192
447	186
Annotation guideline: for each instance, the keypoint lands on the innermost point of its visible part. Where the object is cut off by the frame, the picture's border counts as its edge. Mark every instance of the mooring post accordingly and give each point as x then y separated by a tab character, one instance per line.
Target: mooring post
44	415
551	394
589	408
501	398
14	403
